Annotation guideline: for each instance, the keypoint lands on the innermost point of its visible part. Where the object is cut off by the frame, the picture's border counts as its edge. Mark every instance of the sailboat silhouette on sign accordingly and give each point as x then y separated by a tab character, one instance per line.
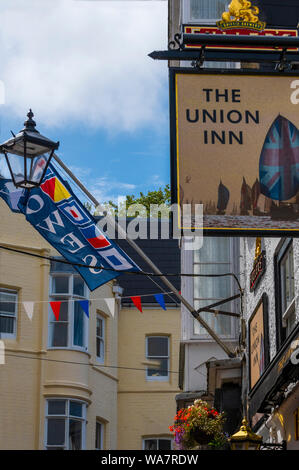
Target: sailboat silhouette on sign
223	198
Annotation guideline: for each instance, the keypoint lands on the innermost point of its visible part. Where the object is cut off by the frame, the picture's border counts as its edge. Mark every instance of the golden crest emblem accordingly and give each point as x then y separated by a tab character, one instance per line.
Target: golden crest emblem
241	14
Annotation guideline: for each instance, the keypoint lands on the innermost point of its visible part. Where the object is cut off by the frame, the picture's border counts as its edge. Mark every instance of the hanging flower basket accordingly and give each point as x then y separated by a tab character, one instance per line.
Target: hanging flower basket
199	427
200	436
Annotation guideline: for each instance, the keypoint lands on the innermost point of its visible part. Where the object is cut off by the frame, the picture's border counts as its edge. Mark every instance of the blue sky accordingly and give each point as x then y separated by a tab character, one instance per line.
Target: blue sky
82	67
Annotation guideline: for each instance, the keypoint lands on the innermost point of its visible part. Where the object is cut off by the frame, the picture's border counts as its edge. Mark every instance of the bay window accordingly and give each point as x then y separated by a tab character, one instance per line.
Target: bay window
65	424
71	329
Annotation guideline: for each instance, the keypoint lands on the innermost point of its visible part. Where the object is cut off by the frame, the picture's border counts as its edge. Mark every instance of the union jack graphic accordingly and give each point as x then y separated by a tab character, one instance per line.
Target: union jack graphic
279	161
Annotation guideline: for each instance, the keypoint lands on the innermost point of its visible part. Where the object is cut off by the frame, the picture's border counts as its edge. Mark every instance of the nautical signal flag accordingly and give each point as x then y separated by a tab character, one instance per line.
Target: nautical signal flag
55	189
60	217
95	237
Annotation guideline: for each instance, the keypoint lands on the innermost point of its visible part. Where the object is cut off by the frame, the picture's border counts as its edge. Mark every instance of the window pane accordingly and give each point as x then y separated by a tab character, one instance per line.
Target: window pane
56	431
150	444
60	284
99	327
207	9
78	325
78	286
211	287
7	324
100	348
221	324
64	310
75	435
157	346
287	279
162	371
99	435
60	334
213	249
56	407
164	444
75	409
7	303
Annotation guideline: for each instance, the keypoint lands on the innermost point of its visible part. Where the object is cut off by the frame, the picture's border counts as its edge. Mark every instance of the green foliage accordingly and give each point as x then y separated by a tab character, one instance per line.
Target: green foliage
159	197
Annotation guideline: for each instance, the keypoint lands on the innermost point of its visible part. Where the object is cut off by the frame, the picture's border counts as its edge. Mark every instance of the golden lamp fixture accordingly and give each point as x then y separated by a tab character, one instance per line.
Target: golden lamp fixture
258	248
241	14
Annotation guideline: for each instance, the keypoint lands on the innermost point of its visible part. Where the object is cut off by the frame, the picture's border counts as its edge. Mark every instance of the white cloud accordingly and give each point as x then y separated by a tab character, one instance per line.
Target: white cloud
79	62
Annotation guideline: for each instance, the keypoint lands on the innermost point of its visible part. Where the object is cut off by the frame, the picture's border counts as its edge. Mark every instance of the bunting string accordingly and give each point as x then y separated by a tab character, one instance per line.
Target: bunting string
110	302
77	300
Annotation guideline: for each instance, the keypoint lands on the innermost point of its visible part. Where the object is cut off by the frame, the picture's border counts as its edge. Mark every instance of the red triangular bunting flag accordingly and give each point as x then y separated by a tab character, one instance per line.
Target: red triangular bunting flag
137	302
56	308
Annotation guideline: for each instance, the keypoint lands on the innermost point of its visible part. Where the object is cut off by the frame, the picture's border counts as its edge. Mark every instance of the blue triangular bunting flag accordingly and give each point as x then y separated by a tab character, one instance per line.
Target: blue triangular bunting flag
85	305
160	299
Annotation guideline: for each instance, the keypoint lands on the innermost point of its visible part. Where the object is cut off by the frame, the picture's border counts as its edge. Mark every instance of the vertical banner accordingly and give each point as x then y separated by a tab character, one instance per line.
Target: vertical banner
235	149
258	341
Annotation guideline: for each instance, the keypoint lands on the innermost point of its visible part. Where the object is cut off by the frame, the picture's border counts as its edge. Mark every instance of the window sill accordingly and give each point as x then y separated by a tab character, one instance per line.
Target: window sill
157	379
100	361
208	339
57	348
7	336
288	312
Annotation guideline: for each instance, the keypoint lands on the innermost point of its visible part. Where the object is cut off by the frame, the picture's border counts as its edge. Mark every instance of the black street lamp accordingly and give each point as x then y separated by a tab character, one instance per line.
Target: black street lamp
28	155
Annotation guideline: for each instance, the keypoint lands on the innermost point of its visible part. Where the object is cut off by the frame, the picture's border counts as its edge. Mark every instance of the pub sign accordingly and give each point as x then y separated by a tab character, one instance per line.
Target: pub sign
235	149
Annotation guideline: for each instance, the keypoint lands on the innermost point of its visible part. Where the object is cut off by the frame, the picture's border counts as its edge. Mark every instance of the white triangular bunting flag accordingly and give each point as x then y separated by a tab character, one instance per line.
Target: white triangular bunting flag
111	305
29	307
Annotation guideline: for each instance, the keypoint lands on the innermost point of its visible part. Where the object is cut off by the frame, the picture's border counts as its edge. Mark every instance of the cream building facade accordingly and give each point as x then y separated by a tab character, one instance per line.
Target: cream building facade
146	394
81	383
146	397
57	389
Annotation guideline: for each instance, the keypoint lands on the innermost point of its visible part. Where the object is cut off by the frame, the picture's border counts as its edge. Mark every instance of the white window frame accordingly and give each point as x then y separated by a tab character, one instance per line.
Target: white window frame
159	378
102	428
158	438
186	15
12	293
71	298
66	418
287	306
102	338
234	253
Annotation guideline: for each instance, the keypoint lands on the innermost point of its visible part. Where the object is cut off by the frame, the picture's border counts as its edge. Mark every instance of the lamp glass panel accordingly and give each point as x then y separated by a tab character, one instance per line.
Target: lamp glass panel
37	167
17	166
